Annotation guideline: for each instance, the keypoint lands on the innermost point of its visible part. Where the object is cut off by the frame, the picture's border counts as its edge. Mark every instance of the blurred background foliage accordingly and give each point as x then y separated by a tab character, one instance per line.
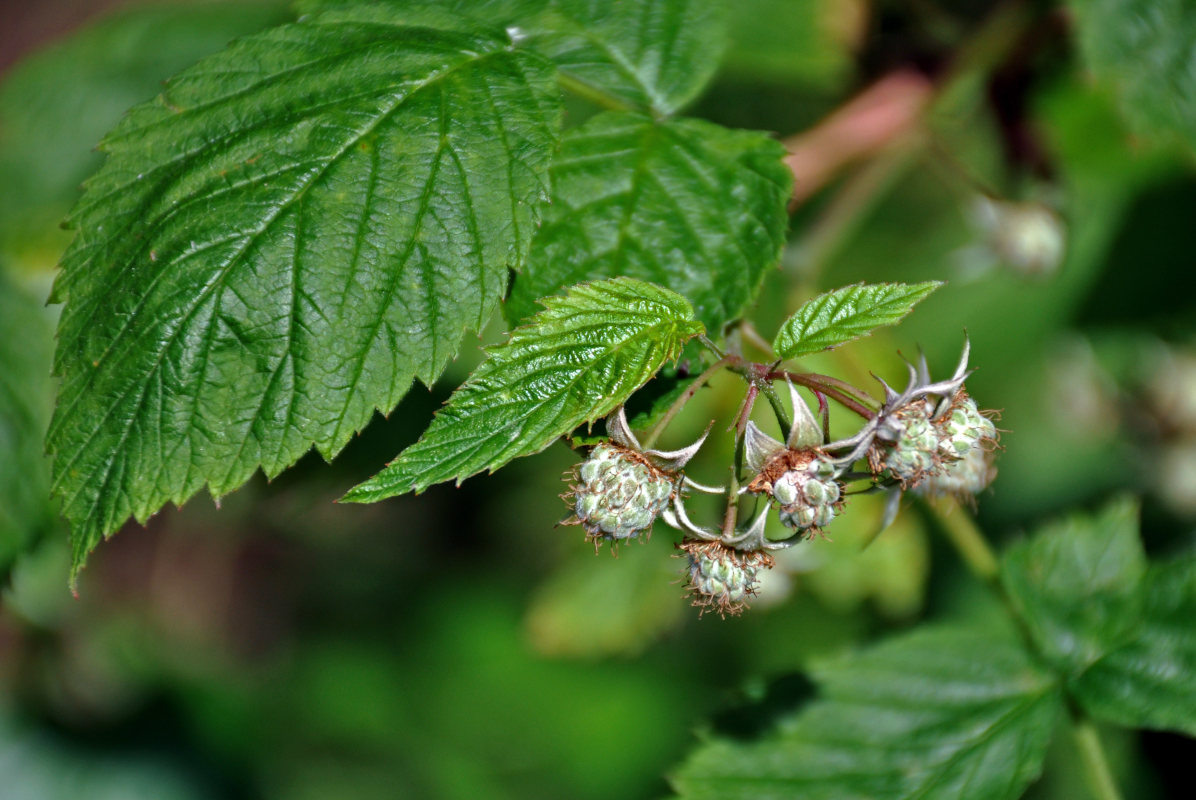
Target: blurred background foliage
457	645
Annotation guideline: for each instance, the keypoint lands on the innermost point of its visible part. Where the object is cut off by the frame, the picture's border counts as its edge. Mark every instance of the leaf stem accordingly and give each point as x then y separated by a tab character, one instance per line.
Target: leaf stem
711	346
594	95
1092	754
684	398
841	392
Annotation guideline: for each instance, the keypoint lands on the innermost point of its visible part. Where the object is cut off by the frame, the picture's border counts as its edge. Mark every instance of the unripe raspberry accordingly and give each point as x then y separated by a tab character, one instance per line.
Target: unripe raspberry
964	477
907	444
962	428
620	494
721	579
803	484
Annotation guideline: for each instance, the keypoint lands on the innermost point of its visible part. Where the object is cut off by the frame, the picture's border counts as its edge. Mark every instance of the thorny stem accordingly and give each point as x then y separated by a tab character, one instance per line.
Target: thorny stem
973	548
841	392
684	398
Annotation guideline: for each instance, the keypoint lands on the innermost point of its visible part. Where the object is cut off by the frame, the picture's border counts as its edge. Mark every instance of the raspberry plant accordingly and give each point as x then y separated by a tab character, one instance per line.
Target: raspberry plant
300	227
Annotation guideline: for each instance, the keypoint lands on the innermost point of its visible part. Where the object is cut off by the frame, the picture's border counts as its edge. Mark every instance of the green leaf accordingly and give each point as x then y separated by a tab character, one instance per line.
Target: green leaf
56	104
1144	49
1150	681
654	54
685	204
25	346
651	54
1075	584
846	314
940	713
279	244
574	362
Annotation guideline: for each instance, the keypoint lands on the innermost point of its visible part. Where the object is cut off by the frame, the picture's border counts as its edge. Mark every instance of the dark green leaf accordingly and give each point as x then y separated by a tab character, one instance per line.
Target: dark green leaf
574	362
845	314
55	105
1145	50
25	346
279	244
935	714
1150	682
685	204
1076	585
654	54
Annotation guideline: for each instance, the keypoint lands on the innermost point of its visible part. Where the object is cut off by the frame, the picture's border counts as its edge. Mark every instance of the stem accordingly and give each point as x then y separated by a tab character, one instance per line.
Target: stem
969	542
596	96
711	346
749	333
778	408
841	392
684	398
1092	754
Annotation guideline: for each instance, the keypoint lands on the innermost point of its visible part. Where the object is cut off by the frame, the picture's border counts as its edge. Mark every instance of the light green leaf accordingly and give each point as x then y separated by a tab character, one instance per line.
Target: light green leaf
574	362
1145	50
1076	582
56	104
26	341
1150	681
279	244
846	314
940	713
685	204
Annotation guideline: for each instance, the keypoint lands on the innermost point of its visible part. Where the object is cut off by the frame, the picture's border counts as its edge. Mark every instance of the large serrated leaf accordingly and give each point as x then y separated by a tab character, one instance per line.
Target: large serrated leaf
279	244
25	345
574	362
1145	50
1150	681
846	314
1076	585
686	204
651	54
935	714
654	54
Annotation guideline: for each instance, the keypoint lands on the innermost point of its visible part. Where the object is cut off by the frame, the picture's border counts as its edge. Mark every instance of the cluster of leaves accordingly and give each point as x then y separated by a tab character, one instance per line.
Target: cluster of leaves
300	226
958	711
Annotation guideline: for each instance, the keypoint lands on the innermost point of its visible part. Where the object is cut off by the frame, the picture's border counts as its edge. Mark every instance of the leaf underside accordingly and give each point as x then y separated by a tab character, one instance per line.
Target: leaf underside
279	244
685	204
846	314
574	362
936	714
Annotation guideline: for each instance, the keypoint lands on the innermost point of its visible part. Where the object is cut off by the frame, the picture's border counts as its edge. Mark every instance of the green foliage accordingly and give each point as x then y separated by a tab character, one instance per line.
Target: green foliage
574	362
941	713
846	314
276	246
1076	585
1144	49
653	54
688	205
1150	680
25	346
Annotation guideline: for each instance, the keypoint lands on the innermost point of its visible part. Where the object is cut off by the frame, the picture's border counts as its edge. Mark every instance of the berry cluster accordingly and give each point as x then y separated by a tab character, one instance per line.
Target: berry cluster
930	438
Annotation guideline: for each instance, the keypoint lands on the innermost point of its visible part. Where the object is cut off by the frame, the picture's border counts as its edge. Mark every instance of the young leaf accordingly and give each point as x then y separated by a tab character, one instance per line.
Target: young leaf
576	361
655	54
1076	585
1143	48
279	244
1150	681
846	314
936	714
25	344
685	204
